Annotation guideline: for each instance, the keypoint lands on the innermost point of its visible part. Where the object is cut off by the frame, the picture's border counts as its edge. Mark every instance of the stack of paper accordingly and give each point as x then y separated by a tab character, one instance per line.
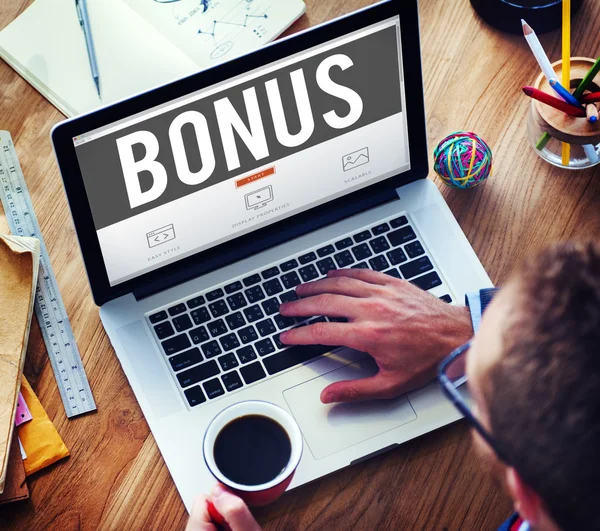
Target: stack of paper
15	487
19	262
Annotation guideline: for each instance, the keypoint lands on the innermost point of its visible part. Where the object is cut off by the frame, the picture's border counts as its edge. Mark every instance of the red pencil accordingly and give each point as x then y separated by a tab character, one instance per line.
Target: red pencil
590	98
544	97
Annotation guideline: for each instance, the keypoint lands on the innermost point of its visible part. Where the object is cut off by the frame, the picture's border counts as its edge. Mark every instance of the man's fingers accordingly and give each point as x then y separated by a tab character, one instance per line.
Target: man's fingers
366	275
377	386
332	334
233	509
199	517
324	304
340	285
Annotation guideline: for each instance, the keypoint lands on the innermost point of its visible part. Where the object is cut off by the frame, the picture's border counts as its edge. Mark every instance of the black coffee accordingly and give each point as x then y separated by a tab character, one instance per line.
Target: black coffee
252	450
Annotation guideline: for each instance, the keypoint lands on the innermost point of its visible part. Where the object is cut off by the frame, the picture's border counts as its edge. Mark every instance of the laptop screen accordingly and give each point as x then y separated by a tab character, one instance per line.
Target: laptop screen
236	156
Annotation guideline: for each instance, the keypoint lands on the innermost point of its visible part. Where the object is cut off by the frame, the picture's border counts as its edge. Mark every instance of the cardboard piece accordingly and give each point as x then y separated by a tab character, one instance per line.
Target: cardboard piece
19	262
15	488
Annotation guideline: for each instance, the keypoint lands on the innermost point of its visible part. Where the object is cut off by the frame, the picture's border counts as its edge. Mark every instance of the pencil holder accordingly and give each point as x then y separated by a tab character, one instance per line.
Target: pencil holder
548	128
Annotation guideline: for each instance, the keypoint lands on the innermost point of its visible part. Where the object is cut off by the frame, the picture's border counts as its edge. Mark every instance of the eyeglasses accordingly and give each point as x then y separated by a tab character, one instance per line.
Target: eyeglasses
452	376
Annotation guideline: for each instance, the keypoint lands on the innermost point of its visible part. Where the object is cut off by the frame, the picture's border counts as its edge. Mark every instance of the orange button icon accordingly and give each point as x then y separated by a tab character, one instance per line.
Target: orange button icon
255	177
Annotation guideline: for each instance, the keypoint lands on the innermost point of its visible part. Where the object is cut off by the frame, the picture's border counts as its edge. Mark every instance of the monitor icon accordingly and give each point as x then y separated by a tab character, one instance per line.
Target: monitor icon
259	198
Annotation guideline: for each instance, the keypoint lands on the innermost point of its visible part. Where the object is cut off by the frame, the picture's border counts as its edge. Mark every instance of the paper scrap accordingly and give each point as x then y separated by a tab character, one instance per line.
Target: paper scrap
41	441
23	413
23	454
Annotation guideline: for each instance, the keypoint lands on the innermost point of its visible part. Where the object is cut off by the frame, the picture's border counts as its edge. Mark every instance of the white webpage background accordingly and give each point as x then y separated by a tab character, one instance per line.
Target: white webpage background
217	214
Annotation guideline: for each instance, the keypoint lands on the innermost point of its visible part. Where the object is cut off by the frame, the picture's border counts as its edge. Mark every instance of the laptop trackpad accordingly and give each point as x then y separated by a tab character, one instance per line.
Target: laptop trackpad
329	428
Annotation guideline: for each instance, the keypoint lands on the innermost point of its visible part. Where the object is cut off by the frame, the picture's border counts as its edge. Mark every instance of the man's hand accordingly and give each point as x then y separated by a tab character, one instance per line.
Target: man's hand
234	511
408	331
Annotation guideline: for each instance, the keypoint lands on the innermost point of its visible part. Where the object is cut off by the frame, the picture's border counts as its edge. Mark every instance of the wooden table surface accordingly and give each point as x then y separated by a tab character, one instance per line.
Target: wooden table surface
116	478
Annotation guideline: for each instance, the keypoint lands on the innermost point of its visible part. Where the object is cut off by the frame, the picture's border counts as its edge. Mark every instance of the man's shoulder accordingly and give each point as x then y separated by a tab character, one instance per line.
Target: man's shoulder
514	523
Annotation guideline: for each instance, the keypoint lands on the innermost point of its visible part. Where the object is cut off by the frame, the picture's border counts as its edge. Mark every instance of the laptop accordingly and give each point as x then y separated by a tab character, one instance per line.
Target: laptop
200	206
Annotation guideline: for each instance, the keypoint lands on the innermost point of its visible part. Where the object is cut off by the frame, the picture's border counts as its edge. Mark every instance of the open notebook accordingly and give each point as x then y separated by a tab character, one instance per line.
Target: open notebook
139	44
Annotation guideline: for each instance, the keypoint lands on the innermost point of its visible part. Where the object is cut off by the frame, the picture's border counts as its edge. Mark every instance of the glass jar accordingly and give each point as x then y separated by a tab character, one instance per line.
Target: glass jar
548	128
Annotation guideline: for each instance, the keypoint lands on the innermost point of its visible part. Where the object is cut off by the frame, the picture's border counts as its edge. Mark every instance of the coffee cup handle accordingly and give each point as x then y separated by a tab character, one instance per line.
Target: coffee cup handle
217	518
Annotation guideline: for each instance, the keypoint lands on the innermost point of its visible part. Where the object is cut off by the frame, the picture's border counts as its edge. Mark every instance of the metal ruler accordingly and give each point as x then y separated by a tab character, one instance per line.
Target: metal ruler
49	307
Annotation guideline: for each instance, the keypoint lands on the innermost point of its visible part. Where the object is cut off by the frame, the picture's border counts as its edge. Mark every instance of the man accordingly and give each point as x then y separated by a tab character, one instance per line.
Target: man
533	372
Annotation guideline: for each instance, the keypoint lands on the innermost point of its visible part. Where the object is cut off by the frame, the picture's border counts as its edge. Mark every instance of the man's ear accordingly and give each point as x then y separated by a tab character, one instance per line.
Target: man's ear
527	502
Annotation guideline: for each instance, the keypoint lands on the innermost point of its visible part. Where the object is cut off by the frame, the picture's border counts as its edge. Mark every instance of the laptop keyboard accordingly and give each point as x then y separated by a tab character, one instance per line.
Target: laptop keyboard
226	338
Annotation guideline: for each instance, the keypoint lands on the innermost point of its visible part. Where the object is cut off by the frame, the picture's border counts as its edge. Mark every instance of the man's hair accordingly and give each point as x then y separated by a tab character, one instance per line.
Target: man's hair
544	400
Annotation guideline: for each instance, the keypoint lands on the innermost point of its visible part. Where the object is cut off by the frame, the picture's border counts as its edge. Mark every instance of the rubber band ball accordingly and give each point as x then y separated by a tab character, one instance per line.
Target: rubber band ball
463	160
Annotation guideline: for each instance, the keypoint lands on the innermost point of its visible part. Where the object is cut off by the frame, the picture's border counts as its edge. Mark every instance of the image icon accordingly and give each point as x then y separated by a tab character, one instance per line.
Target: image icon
259	198
162	235
355	159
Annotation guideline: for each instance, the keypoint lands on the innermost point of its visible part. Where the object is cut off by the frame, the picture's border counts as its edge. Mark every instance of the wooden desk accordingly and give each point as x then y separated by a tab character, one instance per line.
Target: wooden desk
115	477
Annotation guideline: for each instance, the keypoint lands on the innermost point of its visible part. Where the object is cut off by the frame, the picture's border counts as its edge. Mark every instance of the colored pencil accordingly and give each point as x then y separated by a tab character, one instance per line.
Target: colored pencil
561	105
538	51
592	97
589	77
564	93
566	65
591	153
543	141
545	65
592	113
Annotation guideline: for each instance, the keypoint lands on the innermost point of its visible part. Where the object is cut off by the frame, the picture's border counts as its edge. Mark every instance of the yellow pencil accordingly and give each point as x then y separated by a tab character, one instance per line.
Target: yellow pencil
566	65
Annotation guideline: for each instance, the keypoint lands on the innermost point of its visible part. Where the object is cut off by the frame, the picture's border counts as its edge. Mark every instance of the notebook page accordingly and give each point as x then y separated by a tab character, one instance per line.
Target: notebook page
213	31
46	45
